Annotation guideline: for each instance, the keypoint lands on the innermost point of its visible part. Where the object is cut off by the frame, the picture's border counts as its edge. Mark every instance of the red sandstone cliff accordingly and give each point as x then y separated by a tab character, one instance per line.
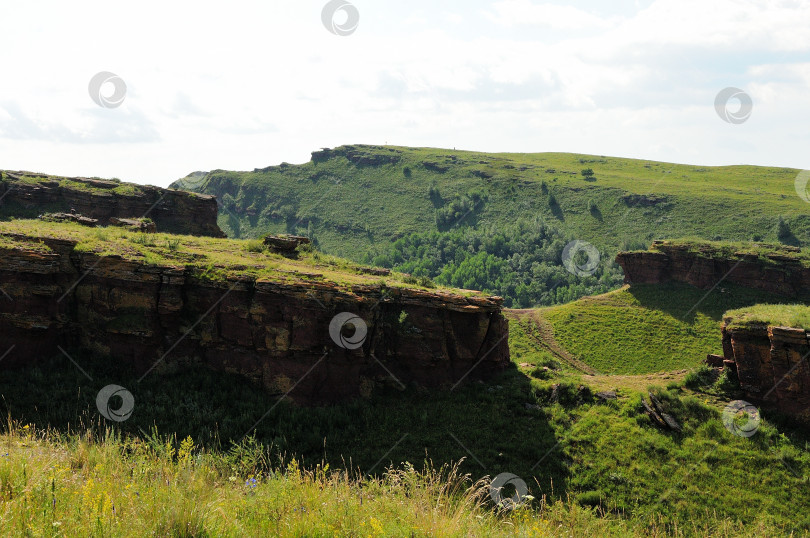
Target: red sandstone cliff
772	365
778	270
771	362
26	195
274	333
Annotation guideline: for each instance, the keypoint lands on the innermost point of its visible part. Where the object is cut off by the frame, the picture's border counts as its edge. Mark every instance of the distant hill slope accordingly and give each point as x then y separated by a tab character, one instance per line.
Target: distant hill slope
357	201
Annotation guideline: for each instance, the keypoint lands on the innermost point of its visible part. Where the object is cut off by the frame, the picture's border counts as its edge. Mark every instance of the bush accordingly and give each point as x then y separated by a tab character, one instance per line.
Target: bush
701	378
587	173
426	282
592	207
406	171
540	373
783	230
255	245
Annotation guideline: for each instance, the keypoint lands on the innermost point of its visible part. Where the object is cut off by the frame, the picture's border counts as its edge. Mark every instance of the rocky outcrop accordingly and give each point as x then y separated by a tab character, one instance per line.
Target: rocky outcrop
136	225
26	195
779	269
282	335
772	365
360	155
69	217
285	243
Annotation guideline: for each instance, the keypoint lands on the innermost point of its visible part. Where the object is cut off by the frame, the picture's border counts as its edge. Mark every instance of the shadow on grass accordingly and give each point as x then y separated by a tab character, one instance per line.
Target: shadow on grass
490	426
683	301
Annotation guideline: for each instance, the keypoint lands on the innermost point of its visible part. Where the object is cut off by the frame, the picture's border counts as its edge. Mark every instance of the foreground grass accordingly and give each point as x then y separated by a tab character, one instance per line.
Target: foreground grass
105	485
182	460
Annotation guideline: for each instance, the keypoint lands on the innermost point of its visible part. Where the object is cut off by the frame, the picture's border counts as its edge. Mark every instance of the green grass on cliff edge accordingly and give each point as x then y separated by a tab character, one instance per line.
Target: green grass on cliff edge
781	315
766	253
210	258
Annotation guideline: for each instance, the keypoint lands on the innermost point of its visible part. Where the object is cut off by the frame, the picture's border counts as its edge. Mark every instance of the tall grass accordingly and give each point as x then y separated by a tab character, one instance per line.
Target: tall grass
103	484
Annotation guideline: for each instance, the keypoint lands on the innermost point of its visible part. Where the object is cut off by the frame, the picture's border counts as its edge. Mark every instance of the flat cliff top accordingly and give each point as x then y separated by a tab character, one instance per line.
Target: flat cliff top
766	315
89	186
219	259
765	252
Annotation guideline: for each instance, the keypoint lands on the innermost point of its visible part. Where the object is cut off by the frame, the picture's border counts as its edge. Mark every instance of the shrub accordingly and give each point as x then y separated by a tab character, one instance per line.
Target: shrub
255	245
783	229
587	173
701	378
426	282
540	373
406	171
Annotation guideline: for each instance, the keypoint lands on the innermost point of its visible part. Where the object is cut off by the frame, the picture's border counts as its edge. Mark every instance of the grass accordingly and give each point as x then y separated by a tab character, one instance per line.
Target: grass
206	257
648	328
103	485
183	463
782	315
352	208
769	253
110	186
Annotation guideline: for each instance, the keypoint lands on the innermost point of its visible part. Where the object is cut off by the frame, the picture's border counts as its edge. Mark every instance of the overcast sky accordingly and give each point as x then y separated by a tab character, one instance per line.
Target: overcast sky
246	84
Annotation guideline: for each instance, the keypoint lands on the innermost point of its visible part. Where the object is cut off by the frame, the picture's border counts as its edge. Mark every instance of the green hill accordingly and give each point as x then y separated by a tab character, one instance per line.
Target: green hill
461	216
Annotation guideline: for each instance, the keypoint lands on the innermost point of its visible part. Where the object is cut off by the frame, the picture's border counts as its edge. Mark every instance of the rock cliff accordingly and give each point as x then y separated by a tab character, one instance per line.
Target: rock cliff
772	365
274	330
770	360
777	269
26	195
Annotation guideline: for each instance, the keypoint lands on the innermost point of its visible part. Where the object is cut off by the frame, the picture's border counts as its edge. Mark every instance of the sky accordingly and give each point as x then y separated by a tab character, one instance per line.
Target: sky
244	84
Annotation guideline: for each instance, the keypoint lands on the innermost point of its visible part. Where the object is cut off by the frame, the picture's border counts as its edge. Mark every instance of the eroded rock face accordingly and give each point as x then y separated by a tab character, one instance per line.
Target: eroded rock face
772	366
783	275
272	333
172	211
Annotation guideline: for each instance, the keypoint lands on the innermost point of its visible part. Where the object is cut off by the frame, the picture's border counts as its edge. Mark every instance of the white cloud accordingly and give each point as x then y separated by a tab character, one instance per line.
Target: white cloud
525	12
252	83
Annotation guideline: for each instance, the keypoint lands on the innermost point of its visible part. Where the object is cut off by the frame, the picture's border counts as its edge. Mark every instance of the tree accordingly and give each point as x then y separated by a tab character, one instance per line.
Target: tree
587	173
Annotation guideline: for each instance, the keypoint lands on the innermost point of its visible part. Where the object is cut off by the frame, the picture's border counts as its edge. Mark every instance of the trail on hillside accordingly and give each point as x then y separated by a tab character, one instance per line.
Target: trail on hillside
544	338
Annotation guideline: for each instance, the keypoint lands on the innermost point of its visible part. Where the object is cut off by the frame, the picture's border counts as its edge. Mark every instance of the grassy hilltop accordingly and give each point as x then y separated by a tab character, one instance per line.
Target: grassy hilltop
374	201
500	222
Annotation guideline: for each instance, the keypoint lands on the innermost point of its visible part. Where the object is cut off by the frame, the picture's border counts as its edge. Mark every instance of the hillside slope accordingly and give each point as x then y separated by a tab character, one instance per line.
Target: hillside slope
393	205
356	195
643	329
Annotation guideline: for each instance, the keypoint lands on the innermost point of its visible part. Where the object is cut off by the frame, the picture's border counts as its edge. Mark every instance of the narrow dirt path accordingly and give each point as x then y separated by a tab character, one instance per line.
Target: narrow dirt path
546	338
